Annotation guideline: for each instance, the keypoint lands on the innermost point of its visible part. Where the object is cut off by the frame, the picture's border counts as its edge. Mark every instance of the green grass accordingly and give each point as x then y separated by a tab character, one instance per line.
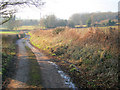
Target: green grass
30	27
23	28
3	28
26	28
34	73
9	32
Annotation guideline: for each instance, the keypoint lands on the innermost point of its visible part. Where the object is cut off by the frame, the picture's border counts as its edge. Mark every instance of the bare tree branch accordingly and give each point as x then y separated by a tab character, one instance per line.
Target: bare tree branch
6	20
6	11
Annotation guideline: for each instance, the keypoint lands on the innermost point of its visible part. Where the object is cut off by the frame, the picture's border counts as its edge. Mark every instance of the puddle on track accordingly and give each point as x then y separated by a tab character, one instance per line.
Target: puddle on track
64	76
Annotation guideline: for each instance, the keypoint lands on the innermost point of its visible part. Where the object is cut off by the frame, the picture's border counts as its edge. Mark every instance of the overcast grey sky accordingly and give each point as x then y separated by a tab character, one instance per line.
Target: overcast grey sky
65	8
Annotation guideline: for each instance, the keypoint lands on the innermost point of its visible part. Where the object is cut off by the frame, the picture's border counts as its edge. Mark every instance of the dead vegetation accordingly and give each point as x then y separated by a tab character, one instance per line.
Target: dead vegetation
94	51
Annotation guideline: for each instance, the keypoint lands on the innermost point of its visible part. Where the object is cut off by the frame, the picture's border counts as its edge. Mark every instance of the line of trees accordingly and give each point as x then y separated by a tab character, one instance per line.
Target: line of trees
89	19
52	21
29	22
78	19
14	23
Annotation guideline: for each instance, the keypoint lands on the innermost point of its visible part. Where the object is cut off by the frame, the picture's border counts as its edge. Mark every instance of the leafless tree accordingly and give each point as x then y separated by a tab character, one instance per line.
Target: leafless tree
8	7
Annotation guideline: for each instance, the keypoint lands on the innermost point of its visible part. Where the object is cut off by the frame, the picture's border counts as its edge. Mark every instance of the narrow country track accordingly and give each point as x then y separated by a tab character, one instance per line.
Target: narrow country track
49	73
20	78
50	76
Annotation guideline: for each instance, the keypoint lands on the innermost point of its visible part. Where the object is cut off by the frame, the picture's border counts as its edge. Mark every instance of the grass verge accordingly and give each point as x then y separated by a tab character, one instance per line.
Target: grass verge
8	57
34	73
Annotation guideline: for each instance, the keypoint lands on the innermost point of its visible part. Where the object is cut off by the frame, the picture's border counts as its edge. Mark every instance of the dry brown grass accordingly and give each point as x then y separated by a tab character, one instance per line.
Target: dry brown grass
93	50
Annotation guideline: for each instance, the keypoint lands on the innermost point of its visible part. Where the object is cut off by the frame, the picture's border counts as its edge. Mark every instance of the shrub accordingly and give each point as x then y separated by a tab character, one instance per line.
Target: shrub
61	50
58	30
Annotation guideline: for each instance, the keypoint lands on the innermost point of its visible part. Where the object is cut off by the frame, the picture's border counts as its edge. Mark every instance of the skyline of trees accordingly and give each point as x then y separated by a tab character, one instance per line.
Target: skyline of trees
88	19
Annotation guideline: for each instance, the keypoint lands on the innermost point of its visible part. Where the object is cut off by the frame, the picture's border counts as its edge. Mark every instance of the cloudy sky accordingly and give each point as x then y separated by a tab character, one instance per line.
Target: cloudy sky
65	8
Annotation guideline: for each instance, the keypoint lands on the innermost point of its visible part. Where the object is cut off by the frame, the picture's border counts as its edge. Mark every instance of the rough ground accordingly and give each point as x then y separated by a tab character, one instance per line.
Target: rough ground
50	77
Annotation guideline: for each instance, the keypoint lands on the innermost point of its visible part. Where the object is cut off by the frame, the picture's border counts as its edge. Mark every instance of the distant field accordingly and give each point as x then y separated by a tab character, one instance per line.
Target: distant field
39	27
22	28
109	27
26	28
2	28
8	32
29	27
